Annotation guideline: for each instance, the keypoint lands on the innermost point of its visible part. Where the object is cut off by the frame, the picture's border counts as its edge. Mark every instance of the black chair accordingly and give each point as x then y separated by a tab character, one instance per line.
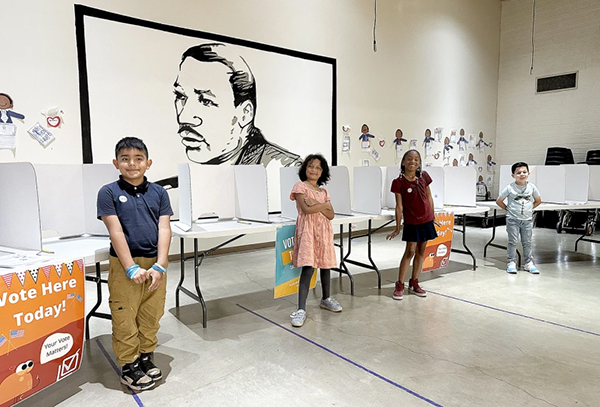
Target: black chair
593	157
559	155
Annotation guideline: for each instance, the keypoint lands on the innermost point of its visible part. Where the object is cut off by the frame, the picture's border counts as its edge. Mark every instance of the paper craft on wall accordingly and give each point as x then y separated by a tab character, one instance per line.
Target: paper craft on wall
481	145
346	138
375	154
437	155
427	142
365	143
455	163
413	144
398	143
490	180
462	141
366	162
41	134
471	141
481	189
490	163
8	131
471	162
447	148
462	160
54	117
437	133
453	136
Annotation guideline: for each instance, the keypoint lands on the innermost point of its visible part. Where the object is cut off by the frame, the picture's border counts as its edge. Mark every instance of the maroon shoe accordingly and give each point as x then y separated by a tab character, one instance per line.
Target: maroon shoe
398	291
413	287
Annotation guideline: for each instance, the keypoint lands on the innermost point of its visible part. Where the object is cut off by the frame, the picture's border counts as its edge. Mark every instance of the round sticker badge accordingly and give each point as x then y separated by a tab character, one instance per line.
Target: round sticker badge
409	190
123	198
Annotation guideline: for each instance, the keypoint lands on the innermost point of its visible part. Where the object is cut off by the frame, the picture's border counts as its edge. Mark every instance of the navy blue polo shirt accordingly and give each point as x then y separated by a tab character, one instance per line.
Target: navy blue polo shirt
138	209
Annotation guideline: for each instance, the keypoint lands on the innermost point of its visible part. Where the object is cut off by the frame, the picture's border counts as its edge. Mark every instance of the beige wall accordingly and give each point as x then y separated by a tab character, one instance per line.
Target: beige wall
566	40
436	63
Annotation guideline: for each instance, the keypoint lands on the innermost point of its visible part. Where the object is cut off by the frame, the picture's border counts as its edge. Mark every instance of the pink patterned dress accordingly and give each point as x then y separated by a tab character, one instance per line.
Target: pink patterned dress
313	241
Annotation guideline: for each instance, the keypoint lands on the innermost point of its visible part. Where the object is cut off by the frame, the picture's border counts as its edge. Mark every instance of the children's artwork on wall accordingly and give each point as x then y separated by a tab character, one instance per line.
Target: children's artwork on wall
413	144
381	142
462	160
437	133
437	155
8	130
398	143
375	154
453	136
346	139
490	163
447	149
481	145
54	117
482	189
455	163
462	141
490	180
41	134
366	162
224	100
365	143
471	141
471	162
427	142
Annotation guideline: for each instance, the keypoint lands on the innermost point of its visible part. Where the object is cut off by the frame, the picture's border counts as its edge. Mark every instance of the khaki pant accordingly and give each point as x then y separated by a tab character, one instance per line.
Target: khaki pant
136	312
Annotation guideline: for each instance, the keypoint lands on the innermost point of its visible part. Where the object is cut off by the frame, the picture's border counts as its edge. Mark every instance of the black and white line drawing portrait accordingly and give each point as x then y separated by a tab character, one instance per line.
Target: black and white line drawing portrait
200	98
216	106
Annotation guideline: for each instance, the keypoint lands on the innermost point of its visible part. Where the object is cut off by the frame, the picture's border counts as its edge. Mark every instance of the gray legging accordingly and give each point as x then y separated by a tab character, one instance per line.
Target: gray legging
307	272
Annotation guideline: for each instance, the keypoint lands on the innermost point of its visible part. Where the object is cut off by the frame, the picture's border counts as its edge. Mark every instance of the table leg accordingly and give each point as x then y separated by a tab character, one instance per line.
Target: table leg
97	279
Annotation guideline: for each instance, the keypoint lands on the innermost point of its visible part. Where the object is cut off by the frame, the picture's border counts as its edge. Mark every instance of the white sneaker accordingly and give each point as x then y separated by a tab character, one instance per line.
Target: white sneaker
298	318
331	305
511	267
531	268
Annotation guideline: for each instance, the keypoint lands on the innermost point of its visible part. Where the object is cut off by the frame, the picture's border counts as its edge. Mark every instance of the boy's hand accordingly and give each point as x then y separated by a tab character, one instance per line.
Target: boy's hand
156	277
140	276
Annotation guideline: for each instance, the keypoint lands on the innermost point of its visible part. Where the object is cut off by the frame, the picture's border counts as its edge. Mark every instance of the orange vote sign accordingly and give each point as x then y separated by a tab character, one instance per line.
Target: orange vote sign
437	251
41	327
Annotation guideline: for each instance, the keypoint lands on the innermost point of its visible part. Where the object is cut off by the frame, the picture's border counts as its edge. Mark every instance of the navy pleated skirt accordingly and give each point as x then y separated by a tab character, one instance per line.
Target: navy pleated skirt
419	233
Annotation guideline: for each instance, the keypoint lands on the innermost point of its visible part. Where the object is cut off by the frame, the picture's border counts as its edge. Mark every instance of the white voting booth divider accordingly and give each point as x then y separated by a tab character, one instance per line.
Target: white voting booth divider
367	190
437	187
223	191
566	183
19	207
68	194
459	186
338	189
594	184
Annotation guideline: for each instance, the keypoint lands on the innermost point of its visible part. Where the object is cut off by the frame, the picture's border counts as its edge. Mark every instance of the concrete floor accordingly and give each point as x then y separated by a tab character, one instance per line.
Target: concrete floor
480	338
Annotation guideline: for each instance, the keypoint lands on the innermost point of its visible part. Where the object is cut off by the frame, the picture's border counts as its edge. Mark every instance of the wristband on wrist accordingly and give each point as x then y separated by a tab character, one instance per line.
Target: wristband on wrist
131	270
159	268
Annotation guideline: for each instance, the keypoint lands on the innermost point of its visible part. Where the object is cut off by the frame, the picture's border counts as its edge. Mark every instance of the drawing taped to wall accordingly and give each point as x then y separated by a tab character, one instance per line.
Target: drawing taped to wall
207	98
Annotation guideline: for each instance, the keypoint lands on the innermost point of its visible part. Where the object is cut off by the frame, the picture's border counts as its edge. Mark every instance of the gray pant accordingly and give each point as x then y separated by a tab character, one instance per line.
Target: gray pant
514	227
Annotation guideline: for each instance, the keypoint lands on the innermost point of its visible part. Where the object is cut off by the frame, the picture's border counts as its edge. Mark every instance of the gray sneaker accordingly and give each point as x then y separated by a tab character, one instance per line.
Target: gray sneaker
331	305
298	318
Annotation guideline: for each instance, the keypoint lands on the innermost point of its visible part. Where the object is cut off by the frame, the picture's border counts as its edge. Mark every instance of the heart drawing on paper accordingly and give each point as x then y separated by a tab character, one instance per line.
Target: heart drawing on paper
381	143
53	121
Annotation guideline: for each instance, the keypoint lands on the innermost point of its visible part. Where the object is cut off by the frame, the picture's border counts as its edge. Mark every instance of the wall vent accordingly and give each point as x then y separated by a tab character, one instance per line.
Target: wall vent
556	82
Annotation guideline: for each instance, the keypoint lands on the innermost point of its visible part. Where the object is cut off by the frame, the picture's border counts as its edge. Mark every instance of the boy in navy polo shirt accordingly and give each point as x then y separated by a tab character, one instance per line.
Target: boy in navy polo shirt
136	214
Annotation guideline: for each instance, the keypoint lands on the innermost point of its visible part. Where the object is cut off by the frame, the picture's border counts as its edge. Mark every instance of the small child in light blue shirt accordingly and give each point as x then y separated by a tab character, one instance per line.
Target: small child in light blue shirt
521	198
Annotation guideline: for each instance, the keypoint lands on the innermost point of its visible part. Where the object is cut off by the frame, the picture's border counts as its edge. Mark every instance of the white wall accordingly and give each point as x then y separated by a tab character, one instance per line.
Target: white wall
566	40
436	63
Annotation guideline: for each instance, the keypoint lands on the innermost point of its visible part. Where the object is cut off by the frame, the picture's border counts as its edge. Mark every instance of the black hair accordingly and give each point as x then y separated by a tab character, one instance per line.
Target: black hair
402	169
427	130
241	78
401	133
130	142
517	165
365	125
325	175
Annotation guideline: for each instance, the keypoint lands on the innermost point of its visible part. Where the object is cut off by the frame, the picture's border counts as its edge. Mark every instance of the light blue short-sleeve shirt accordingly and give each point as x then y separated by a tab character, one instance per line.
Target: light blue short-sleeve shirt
519	200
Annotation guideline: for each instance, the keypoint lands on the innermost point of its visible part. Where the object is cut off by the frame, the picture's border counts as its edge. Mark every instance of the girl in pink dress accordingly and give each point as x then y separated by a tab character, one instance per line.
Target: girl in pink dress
313	241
